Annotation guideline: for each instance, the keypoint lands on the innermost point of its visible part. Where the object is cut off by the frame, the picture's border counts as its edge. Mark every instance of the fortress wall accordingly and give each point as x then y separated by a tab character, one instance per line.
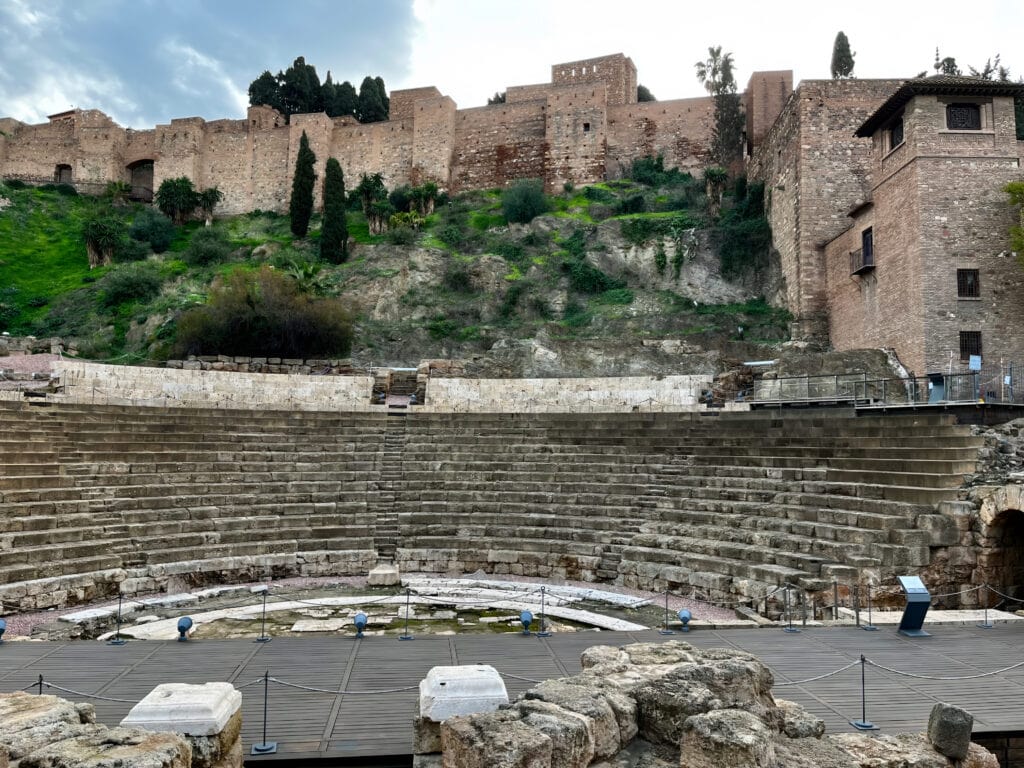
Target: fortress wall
178	146
403	102
433	140
38	149
384	148
679	130
269	184
576	133
123	385
517	93
496	144
616	71
139	145
763	101
811	162
225	163
101	144
651	393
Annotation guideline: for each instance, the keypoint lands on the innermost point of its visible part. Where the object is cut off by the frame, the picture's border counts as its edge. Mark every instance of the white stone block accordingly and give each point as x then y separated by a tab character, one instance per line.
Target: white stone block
384	575
195	710
464	690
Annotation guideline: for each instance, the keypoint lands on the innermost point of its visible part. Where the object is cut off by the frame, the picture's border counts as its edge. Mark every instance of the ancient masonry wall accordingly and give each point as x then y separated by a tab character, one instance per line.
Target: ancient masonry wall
581	127
816	134
938	207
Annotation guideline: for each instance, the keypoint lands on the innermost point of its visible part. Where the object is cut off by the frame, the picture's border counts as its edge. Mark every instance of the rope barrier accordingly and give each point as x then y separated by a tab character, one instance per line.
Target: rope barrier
961	592
1003	595
341	693
86	695
819	677
934	677
517	677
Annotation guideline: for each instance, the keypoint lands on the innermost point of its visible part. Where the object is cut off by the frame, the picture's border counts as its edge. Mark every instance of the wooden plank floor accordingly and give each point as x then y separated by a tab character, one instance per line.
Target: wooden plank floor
362	722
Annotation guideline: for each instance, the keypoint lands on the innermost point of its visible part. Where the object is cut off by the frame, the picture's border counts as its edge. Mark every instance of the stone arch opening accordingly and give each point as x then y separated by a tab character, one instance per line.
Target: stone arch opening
62	174
141	180
1004	552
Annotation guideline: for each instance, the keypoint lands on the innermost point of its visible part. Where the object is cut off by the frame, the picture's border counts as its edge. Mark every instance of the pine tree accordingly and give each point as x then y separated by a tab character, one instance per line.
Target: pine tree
842	57
300	208
265	89
371	104
334	233
300	88
643	93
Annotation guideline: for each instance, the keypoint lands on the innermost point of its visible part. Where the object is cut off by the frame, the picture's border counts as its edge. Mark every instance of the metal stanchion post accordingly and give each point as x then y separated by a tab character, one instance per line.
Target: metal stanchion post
543	616
265	747
666	630
984	598
869	627
856	604
40	684
835	601
863	724
263	622
789	613
406	636
118	640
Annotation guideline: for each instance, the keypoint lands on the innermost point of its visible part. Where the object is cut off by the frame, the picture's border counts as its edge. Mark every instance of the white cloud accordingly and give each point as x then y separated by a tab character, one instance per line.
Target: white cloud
195	72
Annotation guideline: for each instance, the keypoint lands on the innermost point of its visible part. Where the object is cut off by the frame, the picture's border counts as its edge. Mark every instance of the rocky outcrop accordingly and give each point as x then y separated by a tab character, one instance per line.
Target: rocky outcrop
48	732
661	705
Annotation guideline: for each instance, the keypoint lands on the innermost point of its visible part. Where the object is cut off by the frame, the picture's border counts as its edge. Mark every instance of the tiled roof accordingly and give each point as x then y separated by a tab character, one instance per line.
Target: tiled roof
945	85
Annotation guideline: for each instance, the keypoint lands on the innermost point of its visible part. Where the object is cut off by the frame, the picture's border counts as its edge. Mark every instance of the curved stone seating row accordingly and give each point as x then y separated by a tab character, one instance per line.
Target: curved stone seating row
731	504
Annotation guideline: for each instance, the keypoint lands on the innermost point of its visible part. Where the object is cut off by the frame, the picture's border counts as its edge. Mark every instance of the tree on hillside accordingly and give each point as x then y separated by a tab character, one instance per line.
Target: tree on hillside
266	89
177	198
339	98
644	94
102	234
716	75
379	81
842	57
300	88
300	207
207	201
334	232
371	107
497	98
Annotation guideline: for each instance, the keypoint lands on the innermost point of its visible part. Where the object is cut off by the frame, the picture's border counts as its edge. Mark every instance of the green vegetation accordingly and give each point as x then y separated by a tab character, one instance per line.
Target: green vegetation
716	74
298	90
334	231
524	201
265	313
300	206
842	57
471	281
743	234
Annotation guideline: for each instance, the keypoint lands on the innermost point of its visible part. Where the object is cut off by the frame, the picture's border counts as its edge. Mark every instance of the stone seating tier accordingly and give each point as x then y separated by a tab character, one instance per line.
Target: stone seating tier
733	504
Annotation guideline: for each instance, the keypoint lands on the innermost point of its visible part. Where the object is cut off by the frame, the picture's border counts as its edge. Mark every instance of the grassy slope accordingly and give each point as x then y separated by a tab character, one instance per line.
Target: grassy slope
42	258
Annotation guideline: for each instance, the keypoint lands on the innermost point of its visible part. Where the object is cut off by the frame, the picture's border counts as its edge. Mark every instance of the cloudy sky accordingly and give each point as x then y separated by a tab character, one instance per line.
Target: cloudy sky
146	61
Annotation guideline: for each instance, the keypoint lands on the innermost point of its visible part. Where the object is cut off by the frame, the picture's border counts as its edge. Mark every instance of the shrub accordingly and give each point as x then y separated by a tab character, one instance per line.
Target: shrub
130	250
744	235
632	204
510	252
208	246
400	198
451	235
576	244
616	296
457	278
660	259
177	198
599	195
265	313
400	235
587	279
511	299
131	282
151	226
15	184
440	327
524	201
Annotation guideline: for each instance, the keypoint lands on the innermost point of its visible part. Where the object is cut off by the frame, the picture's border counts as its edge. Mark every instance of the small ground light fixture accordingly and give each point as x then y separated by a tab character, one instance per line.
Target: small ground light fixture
184	626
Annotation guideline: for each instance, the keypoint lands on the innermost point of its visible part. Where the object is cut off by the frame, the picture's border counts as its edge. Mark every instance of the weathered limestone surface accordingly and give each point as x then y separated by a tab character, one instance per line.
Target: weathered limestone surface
694	709
48	732
949	730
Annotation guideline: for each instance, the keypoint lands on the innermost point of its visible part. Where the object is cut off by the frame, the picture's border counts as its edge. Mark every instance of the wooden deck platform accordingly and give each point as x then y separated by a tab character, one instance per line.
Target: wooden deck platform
353	726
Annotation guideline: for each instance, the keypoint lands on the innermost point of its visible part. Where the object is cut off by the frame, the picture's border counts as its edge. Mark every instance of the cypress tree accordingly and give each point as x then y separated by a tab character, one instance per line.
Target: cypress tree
842	57
371	105
383	96
334	233
300	208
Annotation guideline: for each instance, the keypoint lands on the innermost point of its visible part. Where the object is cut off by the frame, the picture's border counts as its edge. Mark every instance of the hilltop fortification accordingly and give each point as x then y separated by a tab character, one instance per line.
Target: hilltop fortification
583	126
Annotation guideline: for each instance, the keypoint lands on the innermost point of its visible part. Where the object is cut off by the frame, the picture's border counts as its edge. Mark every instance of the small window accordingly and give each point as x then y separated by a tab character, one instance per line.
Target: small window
586	127
970	344
963	117
867	245
968	284
896	133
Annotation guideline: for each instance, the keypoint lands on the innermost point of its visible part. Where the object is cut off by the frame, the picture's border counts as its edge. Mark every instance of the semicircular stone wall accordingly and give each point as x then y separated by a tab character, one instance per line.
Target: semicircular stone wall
100	498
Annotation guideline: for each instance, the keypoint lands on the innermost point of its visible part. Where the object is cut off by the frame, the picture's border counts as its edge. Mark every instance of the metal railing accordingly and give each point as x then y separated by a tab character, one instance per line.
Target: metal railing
861	261
993	384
